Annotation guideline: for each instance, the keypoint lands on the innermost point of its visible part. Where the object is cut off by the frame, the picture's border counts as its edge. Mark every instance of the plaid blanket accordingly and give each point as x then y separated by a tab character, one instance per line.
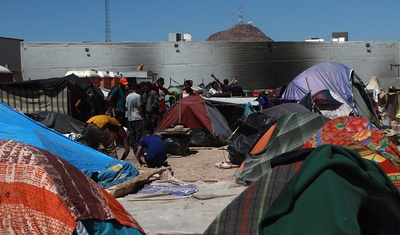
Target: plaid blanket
291	132
244	213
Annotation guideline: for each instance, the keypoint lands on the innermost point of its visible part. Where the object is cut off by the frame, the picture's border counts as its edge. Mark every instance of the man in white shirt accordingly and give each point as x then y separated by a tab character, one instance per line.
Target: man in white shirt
214	88
134	114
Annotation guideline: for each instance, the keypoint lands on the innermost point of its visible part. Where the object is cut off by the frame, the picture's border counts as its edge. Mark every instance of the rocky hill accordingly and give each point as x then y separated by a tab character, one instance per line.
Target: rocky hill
240	33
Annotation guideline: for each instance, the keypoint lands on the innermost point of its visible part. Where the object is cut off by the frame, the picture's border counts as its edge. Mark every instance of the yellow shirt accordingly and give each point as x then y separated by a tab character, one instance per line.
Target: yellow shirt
101	120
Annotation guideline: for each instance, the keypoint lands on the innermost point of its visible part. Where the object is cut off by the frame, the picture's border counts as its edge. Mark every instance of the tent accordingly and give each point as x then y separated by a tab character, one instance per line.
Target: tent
60	122
250	128
289	132
5	74
19	127
44	194
54	94
340	193
343	84
350	130
264	204
283	109
208	125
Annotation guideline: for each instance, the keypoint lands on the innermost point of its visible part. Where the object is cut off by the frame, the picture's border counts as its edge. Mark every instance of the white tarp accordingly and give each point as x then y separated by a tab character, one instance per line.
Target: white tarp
163	213
233	100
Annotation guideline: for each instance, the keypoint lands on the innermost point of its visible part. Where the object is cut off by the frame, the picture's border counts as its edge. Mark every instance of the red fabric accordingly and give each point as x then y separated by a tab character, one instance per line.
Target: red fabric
48	193
190	111
349	130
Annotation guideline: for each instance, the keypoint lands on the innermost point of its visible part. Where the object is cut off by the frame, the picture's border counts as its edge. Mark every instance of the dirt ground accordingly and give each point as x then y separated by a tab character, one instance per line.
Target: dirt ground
199	164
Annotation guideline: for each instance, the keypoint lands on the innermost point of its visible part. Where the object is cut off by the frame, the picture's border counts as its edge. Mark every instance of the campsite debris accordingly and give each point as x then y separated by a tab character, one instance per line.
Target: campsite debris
131	185
226	165
176	139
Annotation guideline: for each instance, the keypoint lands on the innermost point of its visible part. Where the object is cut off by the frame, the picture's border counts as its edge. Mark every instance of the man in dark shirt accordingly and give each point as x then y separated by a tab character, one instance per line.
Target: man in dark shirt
236	89
156	154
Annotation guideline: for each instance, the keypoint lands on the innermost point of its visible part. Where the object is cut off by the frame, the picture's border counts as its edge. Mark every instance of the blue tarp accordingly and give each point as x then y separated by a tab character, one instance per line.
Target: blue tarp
16	126
180	190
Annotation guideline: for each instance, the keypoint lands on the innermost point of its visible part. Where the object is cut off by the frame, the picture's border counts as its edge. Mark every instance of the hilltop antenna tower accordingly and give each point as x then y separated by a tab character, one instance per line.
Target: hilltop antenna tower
108	30
233	18
241	15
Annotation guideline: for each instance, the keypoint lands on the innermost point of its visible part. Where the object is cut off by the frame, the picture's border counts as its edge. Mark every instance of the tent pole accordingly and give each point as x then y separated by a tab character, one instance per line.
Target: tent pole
309	90
308	86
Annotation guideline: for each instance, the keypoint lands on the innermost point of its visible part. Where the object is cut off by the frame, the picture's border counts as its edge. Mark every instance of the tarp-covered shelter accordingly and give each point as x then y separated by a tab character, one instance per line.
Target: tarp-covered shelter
343	84
44	194
54	94
19	127
348	130
5	74
60	122
208	125
335	191
284	109
290	132
250	128
329	184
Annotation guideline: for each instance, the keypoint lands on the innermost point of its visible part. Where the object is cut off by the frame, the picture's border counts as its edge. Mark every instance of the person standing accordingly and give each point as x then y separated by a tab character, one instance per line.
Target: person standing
187	89
214	88
135	114
116	99
236	89
156	155
152	109
226	88
162	92
106	130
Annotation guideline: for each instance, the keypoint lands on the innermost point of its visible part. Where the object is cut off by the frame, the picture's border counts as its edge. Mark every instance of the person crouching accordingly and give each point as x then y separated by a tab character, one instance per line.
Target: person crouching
156	155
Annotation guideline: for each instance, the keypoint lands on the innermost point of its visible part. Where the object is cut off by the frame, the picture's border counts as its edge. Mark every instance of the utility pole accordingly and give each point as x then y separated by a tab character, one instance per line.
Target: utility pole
108	30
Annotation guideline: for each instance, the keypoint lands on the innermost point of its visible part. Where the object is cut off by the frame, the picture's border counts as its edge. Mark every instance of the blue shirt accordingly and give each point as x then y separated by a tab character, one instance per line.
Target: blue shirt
119	93
155	149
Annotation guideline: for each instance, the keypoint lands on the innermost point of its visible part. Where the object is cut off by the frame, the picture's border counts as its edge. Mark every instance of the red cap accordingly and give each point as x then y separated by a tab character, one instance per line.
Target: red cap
123	81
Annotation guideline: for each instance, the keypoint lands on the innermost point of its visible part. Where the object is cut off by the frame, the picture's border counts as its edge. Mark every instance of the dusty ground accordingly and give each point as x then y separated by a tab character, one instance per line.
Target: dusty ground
199	164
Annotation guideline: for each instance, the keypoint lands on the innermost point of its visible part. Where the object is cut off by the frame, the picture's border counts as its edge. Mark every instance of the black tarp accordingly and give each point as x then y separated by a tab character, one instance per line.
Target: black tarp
59	122
248	130
58	94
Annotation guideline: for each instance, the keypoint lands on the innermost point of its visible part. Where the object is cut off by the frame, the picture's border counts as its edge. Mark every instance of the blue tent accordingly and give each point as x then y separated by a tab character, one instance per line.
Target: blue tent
16	126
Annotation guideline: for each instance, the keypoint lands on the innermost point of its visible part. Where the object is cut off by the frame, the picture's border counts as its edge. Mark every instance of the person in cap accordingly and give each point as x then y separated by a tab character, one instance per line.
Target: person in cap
116	99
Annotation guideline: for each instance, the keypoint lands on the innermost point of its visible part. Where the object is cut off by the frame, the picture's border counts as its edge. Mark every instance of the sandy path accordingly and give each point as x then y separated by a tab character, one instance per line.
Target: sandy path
199	164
